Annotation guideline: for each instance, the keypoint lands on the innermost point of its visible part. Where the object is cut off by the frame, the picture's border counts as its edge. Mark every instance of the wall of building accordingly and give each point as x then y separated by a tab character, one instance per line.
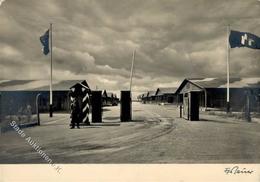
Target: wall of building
216	97
13	102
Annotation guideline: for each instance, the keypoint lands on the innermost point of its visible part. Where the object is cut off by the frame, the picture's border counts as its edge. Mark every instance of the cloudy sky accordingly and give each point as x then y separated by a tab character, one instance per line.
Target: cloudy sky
94	40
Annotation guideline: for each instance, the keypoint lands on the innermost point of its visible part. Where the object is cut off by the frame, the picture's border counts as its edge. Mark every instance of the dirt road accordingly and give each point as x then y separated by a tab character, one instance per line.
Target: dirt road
156	135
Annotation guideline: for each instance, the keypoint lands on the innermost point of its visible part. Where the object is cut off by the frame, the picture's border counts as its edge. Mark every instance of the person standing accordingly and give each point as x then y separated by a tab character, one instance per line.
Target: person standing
75	114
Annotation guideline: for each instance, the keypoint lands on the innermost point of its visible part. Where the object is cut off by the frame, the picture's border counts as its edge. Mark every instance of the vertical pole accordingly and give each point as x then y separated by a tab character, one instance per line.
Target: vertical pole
1	117
247	110
132	68
131	77
51	109
37	109
228	56
180	111
206	100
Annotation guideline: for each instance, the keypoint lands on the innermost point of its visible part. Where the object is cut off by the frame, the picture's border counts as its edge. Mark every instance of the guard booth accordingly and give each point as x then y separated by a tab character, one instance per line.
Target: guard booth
81	92
126	106
191	106
96	102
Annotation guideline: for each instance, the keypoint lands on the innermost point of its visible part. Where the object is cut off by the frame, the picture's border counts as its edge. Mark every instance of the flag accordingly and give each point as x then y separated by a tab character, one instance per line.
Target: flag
45	42
244	39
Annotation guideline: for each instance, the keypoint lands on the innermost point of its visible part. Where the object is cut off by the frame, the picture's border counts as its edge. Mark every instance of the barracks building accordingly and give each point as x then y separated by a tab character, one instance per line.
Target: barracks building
212	93
18	97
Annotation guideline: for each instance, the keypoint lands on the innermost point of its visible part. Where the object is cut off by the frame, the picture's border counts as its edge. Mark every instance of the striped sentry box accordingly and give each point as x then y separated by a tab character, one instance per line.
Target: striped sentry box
85	106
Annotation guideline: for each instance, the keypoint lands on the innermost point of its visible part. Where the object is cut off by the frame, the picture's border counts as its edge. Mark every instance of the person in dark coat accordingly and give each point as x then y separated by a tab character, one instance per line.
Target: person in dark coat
75	113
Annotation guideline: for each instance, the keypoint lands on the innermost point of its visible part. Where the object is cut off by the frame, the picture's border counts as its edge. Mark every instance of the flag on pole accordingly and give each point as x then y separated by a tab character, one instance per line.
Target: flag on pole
45	42
243	39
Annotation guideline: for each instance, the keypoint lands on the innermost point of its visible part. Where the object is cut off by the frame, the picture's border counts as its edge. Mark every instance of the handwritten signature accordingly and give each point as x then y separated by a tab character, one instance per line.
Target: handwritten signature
237	170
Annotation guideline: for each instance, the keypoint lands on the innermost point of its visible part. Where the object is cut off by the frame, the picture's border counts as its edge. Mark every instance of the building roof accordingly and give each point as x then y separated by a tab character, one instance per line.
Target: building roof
205	83
166	90
108	94
222	82
151	93
83	84
141	96
36	85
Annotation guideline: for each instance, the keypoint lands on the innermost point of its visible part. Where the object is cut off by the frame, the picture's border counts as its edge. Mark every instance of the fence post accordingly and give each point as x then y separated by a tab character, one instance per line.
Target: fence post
248	109
180	111
37	109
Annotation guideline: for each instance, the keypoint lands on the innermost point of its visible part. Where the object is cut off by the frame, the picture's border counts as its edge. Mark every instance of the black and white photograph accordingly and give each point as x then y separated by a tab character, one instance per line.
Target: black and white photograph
136	82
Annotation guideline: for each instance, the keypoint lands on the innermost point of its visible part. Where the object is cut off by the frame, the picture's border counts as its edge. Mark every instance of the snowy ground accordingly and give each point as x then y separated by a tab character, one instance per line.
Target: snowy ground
156	135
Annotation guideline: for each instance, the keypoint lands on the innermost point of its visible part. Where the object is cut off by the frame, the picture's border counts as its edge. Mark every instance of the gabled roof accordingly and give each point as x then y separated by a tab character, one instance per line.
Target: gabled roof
151	93
205	83
104	93
36	85
222	82
83	84
166	90
141	96
107	94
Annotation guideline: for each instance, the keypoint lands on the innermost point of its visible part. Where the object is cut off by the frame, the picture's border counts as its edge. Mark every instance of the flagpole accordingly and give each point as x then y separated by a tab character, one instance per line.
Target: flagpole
228	57
51	99
132	68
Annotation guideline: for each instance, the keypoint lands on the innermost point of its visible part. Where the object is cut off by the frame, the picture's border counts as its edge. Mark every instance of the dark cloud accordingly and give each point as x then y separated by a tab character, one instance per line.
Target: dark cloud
94	40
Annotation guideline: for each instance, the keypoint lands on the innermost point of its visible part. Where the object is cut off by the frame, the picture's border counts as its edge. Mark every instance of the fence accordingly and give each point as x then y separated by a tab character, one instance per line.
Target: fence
17	106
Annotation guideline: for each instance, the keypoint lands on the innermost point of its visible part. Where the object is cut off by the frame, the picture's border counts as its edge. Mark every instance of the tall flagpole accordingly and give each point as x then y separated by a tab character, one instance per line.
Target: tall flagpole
132	68
51	99
228	57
